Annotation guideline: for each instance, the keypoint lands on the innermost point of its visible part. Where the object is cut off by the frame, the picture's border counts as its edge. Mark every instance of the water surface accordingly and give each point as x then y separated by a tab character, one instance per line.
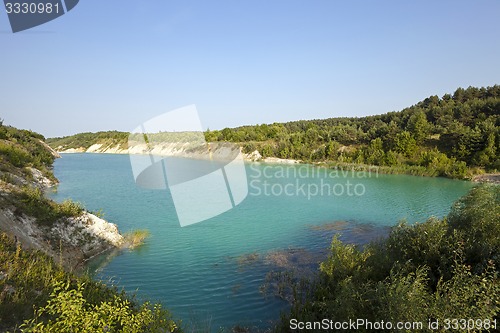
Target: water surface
209	274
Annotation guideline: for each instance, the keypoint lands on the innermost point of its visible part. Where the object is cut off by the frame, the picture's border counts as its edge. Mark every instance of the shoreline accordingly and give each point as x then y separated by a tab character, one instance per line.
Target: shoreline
491	178
255	157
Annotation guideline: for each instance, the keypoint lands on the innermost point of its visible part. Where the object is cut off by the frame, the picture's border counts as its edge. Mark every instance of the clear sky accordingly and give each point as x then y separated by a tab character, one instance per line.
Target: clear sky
114	64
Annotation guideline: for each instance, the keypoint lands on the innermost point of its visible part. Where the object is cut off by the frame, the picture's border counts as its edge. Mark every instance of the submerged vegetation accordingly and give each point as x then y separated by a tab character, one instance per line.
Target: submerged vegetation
426	273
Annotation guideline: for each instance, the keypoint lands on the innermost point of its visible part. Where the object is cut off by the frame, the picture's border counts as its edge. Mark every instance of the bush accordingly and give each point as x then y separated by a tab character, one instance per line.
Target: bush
440	269
68	311
31	201
136	238
43	297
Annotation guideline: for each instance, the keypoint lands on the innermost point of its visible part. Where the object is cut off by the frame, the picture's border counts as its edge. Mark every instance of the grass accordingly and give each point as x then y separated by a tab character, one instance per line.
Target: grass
136	238
30	280
31	201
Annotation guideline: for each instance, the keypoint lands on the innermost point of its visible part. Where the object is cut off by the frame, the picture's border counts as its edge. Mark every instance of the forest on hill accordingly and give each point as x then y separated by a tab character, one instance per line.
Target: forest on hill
454	136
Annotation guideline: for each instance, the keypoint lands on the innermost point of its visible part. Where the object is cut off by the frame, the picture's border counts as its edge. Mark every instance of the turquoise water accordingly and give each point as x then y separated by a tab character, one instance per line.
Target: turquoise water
203	272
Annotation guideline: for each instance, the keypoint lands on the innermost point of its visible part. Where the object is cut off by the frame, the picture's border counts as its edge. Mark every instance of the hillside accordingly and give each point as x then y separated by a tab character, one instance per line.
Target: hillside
63	231
456	136
42	241
82	141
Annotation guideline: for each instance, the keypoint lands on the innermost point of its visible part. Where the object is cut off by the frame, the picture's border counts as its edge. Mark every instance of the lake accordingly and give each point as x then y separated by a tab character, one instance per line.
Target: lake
211	274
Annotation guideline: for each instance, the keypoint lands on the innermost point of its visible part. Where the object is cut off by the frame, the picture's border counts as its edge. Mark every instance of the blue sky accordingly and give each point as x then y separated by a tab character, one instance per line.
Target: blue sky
114	64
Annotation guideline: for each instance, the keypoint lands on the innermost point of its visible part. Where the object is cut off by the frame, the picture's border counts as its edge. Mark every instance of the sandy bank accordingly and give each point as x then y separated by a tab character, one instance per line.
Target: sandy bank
220	149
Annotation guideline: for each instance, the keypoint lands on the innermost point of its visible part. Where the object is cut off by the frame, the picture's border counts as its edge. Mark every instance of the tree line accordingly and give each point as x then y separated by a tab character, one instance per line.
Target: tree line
452	136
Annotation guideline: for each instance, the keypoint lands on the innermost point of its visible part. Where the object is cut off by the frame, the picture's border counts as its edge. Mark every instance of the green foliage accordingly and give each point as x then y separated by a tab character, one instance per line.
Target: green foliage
31	201
476	218
405	144
87	139
418	125
69	311
22	148
440	269
25	279
460	131
46	298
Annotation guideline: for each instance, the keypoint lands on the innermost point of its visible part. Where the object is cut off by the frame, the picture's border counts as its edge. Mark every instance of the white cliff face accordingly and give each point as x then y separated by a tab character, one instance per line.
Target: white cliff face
52	151
221	149
253	156
39	179
94	148
72	240
88	231
101	229
276	160
181	149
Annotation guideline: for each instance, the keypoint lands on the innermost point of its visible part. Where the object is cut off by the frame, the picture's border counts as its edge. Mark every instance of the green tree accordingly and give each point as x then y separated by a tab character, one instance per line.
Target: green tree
418	126
488	155
375	152
405	143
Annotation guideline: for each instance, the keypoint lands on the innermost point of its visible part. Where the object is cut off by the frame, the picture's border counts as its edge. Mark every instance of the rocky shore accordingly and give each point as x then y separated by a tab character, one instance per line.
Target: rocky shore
70	241
492	178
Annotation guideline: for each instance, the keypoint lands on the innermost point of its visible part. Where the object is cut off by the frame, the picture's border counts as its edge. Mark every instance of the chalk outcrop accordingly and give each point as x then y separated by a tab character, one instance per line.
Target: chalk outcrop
71	241
222	150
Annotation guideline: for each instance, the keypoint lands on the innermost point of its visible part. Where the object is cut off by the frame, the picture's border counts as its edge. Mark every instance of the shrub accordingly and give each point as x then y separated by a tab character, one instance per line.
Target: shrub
136	238
68	311
32	201
440	269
